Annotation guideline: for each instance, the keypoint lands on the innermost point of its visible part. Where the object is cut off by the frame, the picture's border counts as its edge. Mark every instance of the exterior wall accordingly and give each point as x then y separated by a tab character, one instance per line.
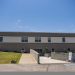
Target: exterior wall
11	39
73	57
28	46
56	39
44	39
31	39
59	56
14	47
70	39
14	39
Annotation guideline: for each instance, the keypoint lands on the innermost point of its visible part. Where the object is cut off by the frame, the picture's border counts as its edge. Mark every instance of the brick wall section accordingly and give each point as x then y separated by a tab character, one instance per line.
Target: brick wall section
35	55
59	56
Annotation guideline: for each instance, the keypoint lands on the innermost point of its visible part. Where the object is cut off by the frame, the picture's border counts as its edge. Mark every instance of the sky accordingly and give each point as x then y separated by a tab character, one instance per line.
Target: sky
37	15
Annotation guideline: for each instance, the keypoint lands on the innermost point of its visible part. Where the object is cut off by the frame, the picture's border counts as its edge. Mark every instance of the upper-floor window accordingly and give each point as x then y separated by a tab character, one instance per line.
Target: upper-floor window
1	39
49	39
63	39
37	39
24	39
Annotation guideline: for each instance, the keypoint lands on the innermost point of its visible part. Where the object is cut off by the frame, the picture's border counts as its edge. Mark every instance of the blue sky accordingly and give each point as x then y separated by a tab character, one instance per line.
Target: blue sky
37	15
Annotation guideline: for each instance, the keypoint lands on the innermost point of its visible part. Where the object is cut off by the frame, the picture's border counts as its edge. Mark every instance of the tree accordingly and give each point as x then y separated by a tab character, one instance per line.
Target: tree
45	50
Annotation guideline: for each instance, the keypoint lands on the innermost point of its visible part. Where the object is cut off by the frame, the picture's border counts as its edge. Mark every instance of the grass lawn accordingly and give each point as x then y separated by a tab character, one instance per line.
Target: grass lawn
7	57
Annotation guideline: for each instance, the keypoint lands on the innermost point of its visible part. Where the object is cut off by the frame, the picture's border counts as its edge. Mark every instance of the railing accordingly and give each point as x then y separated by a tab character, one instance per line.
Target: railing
35	55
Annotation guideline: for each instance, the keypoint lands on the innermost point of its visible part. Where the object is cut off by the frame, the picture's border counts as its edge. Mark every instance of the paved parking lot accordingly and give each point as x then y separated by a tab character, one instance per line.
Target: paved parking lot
38	68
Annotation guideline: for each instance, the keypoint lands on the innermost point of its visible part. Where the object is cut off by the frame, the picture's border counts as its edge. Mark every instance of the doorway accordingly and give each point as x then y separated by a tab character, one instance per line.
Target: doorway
23	50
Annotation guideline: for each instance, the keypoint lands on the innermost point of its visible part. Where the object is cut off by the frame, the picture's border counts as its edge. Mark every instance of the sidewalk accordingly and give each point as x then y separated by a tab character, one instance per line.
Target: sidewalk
27	59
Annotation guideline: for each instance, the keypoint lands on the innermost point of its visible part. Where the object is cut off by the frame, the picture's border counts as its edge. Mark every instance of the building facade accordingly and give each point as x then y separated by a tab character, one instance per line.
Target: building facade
18	41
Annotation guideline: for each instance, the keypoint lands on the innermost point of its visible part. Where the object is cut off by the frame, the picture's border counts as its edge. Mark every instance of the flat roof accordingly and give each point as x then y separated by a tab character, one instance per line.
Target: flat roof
43	34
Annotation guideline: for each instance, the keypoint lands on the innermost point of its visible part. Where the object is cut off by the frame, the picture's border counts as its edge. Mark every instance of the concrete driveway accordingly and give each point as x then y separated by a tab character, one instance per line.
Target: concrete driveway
27	58
48	60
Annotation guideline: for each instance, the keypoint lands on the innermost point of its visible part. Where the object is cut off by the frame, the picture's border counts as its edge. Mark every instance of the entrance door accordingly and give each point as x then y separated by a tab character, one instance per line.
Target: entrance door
23	51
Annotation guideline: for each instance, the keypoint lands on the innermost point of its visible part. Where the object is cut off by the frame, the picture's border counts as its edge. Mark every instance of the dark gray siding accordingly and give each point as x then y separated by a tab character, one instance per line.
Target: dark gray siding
27	46
43	34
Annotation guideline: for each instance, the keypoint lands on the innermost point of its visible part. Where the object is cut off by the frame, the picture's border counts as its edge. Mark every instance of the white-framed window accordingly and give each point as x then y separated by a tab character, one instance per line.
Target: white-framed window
49	39
37	39
63	39
24	39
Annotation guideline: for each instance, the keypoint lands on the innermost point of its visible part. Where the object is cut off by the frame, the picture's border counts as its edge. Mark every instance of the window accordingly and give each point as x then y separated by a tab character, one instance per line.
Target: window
37	39
1	39
49	39
63	39
24	39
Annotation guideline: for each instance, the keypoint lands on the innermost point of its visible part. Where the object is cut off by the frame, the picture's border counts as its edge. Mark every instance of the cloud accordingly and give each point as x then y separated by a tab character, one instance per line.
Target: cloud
20	26
18	21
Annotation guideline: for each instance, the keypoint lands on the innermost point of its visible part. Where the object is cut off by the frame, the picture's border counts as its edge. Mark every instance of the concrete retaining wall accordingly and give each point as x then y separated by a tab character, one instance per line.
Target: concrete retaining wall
59	56
73	57
35	55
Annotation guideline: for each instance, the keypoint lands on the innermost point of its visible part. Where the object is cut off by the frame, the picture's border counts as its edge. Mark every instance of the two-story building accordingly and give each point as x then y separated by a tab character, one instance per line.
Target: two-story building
17	41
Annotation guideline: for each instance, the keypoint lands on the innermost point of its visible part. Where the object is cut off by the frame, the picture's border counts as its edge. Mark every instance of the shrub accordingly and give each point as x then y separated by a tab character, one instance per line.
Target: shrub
13	61
45	50
15	51
6	51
